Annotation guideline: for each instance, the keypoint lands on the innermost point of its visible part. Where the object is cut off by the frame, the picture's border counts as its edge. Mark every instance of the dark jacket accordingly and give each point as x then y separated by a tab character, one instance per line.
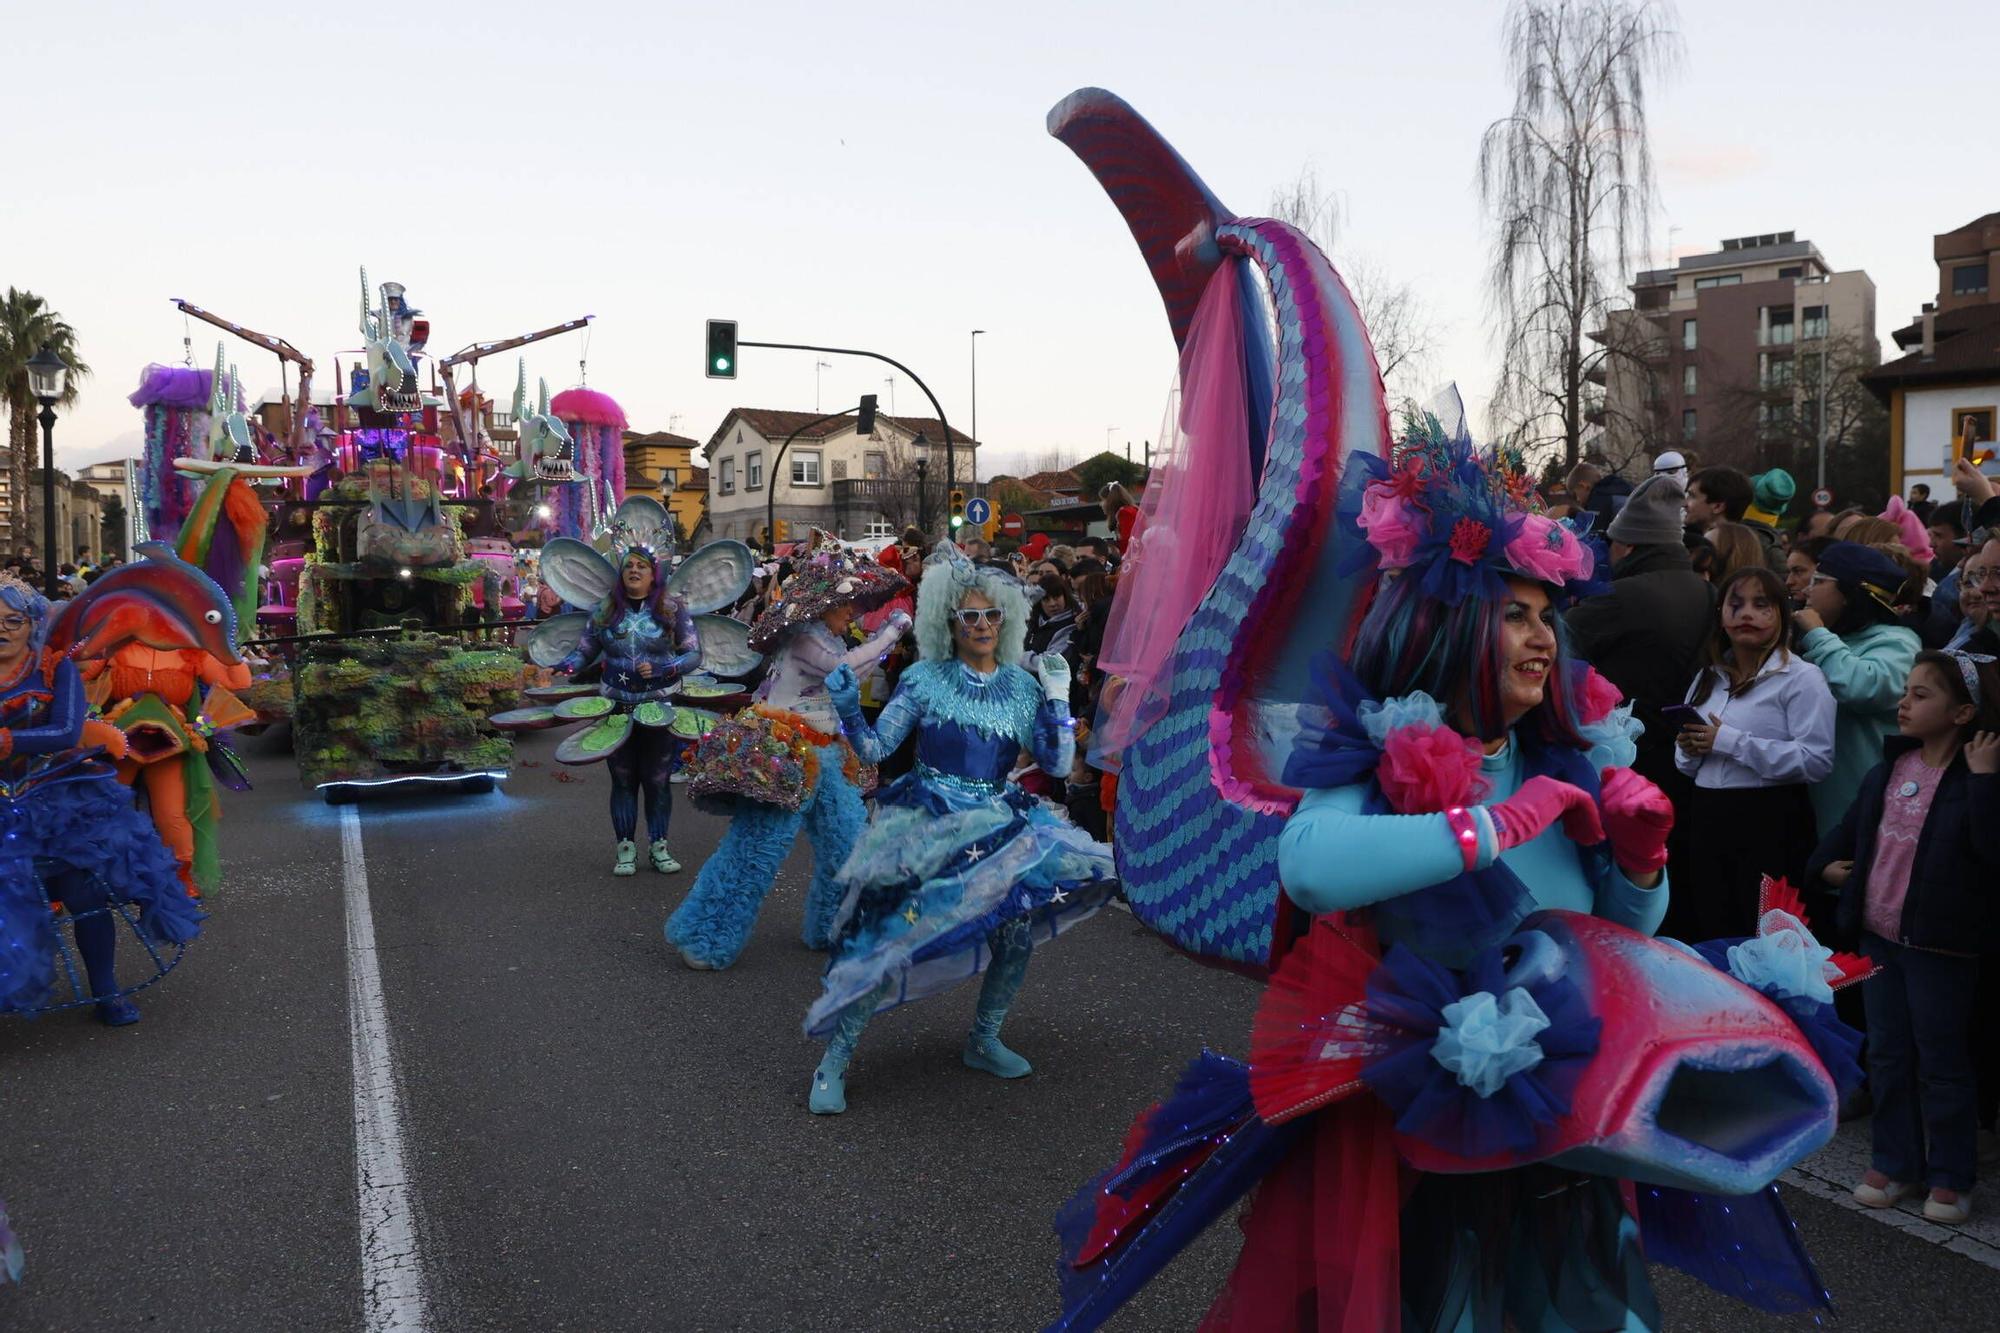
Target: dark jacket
1646	635
1607	497
1956	874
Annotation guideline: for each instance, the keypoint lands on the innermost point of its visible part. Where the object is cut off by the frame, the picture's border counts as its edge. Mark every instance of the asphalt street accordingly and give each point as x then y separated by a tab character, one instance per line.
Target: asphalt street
595	1137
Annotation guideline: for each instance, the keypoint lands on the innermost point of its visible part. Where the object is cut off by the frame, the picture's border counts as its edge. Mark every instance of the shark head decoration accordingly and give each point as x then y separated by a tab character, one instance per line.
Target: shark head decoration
394	333
228	424
547	450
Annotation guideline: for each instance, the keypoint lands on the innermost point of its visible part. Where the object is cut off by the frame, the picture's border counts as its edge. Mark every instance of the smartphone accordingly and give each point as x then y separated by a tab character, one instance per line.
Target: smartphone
1683	715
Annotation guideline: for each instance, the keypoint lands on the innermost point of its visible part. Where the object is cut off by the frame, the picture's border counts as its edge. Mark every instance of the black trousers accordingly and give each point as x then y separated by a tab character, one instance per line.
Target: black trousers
1731	837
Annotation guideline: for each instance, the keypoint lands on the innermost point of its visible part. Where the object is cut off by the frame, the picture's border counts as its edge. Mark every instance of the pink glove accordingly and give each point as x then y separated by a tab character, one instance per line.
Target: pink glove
1540	802
1637	816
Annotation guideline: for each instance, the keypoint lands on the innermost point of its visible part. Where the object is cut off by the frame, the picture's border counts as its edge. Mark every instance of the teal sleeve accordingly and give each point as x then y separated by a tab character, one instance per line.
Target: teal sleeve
1870	680
1622	901
1333	858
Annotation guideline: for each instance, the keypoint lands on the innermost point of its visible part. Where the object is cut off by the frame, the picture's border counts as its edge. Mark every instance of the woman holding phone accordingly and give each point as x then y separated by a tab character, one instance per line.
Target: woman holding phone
1756	730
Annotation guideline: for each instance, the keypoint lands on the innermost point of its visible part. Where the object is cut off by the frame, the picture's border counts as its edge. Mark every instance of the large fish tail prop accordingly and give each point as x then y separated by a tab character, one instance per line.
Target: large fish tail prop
224	536
1199	803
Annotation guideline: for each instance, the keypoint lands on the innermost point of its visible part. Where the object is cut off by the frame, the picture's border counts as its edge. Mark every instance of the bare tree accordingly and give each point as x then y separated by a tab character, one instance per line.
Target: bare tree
1400	326
1568	178
1776	421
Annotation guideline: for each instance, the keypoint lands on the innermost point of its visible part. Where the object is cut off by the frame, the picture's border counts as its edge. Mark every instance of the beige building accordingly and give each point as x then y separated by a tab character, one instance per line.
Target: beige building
111	481
661	464
1725	349
79	517
1949	373
855	486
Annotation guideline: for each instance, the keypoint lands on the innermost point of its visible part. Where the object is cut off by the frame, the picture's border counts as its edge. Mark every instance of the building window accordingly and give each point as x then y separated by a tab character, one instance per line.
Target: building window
1968	279
1687	423
1795	271
753	470
1725	280
1778	331
839	466
1815	322
1981	417
727	483
805	468
1687	380
1688	334
1774	372
670	478
875	465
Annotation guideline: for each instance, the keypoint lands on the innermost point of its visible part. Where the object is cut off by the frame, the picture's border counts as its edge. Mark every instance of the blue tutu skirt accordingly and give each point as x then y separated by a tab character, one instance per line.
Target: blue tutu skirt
77	832
931	880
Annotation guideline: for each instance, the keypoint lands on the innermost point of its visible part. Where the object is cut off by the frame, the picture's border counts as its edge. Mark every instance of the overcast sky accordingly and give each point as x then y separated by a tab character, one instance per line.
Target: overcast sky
871	175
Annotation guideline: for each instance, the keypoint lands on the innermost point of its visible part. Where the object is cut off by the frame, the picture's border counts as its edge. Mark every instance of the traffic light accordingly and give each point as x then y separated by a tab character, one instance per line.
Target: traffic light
721	362
784	531
864	421
957	510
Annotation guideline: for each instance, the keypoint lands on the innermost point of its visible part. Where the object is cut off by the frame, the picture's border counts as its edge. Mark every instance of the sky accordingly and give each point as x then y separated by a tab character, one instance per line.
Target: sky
869	175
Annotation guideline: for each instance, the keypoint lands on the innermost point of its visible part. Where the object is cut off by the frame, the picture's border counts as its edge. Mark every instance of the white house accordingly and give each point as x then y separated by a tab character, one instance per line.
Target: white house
855	486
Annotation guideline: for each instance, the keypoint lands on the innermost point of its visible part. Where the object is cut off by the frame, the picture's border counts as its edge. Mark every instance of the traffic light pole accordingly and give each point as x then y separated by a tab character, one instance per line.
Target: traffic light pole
950	449
771	481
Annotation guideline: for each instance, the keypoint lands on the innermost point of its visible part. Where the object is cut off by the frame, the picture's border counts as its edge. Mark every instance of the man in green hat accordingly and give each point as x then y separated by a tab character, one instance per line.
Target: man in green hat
1770	495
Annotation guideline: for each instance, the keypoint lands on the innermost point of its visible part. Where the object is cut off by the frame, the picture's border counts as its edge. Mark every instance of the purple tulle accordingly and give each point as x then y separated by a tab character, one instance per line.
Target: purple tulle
173	386
1407	995
1742	1245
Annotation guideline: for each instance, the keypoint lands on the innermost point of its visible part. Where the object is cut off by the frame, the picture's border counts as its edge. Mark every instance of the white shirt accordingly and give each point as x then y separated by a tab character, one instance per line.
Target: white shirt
1777	731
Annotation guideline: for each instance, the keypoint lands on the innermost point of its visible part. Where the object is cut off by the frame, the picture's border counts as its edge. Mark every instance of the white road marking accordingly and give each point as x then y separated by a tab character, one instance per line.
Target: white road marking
392	1278
1831	1172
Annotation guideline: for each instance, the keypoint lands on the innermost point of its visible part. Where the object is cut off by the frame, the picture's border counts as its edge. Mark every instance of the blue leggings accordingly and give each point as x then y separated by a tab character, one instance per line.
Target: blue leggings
646	762
715	921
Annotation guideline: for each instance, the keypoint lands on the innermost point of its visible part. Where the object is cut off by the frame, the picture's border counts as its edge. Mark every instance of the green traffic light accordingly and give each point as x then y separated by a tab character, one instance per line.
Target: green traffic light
722	363
958	520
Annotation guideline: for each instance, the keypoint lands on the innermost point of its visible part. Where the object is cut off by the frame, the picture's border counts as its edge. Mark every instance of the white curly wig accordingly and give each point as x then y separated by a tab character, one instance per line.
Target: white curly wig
948	577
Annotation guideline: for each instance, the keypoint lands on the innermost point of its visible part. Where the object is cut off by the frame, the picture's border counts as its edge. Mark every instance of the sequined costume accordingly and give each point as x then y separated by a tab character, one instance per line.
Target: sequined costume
646	644
961	872
70	834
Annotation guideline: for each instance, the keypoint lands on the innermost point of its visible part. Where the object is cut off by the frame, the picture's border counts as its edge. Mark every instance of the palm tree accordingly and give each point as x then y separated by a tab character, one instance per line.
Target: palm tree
26	326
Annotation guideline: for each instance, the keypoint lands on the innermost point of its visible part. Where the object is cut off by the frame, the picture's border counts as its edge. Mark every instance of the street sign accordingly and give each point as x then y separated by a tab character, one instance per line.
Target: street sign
1013	525
978	511
1823	498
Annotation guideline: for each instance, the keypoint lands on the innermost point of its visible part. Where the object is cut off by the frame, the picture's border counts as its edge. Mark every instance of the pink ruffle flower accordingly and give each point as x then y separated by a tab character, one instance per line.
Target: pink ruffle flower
1596	698
1547	551
1394	528
1428	769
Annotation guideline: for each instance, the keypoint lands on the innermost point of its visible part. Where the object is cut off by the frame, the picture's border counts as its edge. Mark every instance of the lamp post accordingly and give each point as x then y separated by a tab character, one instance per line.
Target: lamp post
975	402
48	376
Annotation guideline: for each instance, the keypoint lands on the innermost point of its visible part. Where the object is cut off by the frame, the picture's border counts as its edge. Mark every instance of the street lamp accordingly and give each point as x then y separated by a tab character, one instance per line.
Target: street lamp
922	445
975	402
48	377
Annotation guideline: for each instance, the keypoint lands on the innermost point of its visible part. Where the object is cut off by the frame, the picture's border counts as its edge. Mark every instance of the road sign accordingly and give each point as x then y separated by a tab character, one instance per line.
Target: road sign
978	511
1013	525
1823	498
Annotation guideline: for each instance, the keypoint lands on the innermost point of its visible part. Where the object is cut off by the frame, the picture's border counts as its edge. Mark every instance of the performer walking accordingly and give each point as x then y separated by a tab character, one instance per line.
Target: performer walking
782	762
68	830
961	872
647	639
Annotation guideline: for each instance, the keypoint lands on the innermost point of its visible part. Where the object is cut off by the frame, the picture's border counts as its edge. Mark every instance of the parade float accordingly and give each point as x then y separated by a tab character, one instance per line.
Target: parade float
392	573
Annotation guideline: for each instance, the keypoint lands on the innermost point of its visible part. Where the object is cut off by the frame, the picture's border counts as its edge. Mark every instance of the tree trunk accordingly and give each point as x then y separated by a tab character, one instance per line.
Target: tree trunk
20	449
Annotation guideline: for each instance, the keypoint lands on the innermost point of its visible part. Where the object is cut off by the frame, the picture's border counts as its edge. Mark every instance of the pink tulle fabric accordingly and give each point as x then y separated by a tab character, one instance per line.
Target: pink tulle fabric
1544	549
1428	769
1200	495
1597	697
1916	538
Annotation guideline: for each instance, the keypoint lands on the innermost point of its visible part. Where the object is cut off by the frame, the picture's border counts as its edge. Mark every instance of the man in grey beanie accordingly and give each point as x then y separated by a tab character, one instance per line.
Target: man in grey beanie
1646	634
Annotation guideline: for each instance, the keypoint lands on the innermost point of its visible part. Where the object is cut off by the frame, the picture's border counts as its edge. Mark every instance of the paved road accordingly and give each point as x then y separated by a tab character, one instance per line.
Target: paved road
596	1138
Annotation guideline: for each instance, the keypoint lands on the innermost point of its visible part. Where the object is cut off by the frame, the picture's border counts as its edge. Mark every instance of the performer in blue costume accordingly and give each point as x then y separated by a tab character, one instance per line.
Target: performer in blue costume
961	871
647	640
814	785
68	829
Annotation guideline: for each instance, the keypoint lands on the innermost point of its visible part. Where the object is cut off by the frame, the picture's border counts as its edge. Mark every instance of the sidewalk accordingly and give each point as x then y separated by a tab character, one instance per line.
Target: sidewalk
1831	1173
